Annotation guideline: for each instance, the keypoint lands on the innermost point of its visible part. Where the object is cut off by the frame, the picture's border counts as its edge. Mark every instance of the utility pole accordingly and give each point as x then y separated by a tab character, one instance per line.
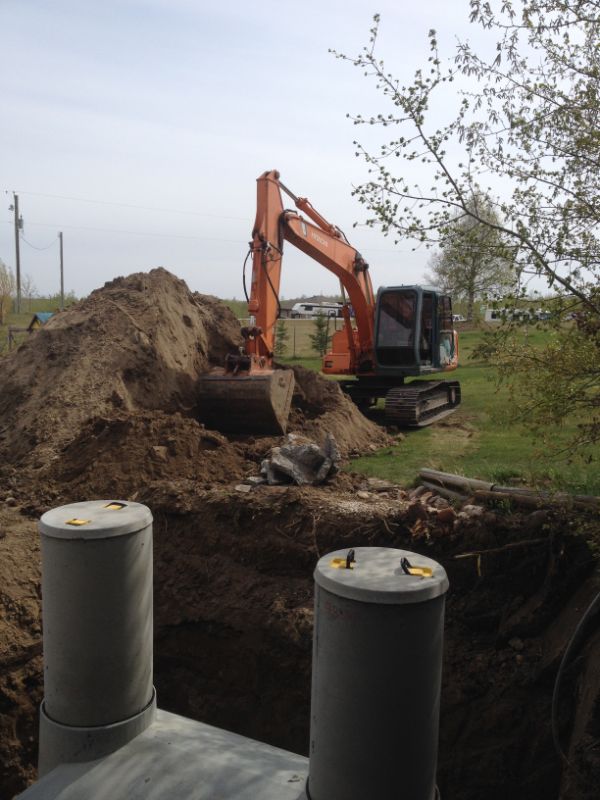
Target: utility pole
62	273
18	227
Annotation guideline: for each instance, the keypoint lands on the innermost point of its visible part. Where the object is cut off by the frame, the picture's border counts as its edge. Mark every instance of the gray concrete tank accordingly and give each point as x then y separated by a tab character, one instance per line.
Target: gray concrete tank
97	619
377	667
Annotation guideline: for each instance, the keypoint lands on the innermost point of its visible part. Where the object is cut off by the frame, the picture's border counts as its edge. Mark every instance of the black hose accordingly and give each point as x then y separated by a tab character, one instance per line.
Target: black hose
573	641
248	254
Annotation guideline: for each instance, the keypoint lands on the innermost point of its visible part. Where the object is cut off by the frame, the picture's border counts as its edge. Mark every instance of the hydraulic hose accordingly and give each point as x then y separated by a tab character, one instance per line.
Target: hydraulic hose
248	254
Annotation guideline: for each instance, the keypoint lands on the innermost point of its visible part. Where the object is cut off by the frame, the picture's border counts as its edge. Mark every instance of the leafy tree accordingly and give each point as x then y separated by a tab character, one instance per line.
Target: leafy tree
527	120
7	290
320	339
473	261
282	335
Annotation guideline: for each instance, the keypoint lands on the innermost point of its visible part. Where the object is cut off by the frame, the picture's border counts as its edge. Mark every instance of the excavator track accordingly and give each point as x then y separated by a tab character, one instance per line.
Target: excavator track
421	403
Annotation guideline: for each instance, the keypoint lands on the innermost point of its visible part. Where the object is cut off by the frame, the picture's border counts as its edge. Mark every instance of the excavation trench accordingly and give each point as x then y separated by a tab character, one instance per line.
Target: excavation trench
234	625
233	629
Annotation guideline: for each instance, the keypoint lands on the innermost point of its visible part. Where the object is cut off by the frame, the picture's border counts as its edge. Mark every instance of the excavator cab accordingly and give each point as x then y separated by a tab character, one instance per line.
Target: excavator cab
413	331
412	337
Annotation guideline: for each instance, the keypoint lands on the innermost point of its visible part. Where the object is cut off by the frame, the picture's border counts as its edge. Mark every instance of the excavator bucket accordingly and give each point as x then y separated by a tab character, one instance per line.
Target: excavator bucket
254	403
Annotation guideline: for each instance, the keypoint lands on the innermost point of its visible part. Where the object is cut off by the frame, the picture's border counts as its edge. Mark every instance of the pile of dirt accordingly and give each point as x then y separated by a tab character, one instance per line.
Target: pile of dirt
320	407
138	343
117	456
103	399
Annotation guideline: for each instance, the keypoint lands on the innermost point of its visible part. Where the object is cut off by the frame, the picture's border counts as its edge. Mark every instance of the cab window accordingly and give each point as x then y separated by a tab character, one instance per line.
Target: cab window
396	319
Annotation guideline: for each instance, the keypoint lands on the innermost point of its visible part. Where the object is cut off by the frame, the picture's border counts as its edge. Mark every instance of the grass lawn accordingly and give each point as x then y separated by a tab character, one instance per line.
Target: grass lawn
481	439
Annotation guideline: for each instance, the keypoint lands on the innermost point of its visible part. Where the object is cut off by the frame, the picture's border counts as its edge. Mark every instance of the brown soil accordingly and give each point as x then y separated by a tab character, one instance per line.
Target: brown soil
20	650
101	402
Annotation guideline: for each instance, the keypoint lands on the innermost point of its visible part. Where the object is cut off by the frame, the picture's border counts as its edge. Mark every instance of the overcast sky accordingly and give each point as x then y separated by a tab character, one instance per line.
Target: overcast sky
139	127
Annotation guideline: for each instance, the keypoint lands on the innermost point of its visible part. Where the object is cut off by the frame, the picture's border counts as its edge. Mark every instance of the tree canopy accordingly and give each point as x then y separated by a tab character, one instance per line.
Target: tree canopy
473	261
527	123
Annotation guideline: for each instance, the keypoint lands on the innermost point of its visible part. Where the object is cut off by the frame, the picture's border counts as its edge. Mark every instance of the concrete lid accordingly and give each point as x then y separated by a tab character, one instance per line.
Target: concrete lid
95	519
377	576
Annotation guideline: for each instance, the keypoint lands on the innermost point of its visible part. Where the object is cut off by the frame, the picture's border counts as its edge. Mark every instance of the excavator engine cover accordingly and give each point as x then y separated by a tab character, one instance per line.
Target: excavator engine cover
256	403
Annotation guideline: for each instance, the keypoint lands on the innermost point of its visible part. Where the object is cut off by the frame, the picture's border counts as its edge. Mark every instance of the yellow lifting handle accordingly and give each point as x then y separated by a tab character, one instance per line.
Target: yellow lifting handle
344	563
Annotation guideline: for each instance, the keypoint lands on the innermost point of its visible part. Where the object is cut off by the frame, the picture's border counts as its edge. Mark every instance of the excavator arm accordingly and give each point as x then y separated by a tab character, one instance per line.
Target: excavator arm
321	241
248	391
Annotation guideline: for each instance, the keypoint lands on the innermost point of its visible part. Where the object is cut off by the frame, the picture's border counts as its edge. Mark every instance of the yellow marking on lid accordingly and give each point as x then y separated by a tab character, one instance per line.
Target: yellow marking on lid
115	506
341	563
421	572
76	521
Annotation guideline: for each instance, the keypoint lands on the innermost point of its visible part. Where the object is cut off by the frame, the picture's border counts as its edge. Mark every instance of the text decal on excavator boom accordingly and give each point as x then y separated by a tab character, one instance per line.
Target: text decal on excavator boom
319	239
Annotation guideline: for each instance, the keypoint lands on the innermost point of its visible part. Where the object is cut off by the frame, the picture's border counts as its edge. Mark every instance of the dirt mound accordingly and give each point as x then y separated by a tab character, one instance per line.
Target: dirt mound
139	342
320	407
117	456
102	400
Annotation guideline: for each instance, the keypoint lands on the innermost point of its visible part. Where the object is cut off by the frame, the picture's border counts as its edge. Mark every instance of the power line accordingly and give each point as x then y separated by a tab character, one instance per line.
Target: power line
131	205
161	235
183	212
133	233
23	239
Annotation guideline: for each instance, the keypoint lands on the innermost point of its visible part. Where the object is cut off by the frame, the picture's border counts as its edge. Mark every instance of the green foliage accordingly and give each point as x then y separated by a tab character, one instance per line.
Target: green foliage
474	261
486	439
321	337
282	336
550	385
526	119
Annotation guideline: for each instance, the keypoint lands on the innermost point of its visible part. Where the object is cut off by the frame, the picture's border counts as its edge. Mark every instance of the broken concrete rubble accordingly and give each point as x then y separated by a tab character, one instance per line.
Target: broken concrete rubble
301	461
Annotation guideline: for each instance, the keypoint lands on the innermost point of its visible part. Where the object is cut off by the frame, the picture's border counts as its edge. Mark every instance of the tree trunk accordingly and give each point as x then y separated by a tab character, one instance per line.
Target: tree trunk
471	290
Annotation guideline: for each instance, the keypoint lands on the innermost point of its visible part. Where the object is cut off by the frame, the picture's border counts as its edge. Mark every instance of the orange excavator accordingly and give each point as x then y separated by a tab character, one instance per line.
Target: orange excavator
399	333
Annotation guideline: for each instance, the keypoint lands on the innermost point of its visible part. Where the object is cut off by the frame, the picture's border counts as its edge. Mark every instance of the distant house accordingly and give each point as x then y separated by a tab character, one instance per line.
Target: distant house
39	319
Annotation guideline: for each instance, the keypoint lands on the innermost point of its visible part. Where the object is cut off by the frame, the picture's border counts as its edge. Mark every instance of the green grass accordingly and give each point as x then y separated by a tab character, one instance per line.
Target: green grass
308	363
238	307
481	439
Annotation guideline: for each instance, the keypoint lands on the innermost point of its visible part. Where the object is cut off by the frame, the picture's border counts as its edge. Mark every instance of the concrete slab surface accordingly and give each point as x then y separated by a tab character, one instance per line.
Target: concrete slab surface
180	759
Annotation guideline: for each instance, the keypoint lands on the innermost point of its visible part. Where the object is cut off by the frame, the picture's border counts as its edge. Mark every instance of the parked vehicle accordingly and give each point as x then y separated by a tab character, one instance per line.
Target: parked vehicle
310	310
